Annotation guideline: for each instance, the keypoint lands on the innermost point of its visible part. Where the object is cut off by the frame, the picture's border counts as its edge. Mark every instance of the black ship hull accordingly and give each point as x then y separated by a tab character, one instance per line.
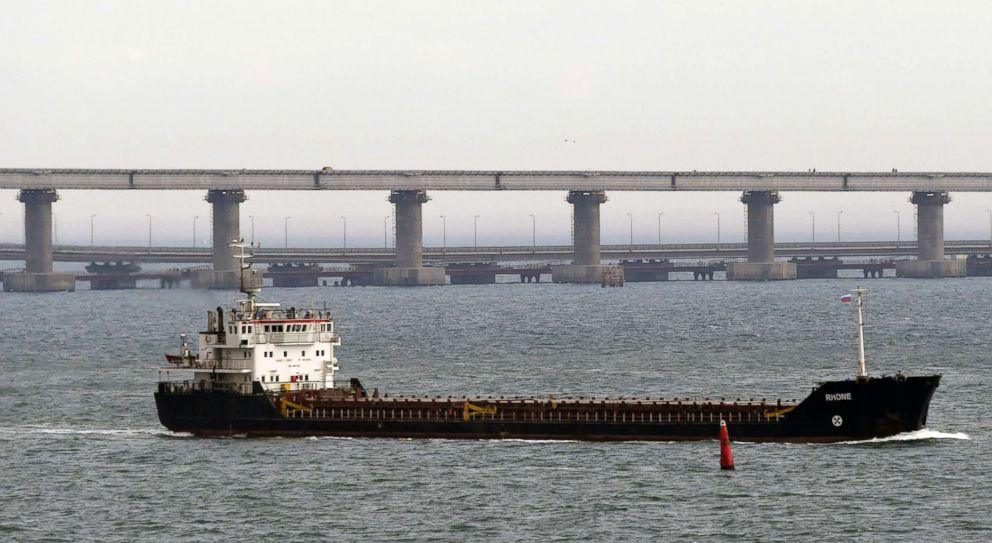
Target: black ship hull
834	411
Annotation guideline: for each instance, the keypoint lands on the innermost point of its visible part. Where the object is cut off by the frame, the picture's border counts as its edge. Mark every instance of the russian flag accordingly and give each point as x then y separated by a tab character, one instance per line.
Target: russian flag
846	299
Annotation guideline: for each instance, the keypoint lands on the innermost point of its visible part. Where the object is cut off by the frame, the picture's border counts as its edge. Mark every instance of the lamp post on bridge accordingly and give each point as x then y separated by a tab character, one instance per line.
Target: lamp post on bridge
385	229
898	228
533	232
717	213
344	232
91	228
149	230
475	231
812	229
990	227
839	213
285	232
659	227
631	239
444	235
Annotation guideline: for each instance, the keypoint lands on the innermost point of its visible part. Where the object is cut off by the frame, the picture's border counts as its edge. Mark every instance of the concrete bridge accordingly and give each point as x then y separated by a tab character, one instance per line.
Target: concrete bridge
586	192
640	270
523	253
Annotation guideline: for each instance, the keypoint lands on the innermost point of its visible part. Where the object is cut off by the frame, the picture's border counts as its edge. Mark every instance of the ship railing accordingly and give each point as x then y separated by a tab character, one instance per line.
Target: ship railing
282	314
452	412
213	363
292	337
189	387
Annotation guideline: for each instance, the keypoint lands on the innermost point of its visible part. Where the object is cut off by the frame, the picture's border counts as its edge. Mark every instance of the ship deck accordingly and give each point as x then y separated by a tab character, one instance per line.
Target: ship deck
579	409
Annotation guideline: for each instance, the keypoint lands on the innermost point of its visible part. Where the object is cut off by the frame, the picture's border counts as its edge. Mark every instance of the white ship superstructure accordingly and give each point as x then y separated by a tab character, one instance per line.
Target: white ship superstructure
280	349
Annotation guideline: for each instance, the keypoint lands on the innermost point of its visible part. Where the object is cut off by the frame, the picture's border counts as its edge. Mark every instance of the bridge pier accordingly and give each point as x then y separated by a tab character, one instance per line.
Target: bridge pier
761	264
586	266
38	275
930	260
226	211
409	269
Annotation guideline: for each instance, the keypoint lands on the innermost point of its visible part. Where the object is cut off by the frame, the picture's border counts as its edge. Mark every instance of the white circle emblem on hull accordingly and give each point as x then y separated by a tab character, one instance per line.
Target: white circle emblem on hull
837	421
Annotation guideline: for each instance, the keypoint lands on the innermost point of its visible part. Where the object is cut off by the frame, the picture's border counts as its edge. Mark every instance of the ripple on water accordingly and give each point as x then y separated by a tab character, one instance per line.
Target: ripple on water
83	457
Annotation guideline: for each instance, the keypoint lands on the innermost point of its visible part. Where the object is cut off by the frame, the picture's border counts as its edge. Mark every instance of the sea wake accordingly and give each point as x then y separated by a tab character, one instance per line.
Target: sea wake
925	434
91	431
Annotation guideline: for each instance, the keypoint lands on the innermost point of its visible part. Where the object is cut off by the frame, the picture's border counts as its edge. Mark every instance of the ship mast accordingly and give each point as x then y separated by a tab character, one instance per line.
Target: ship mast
862	366
250	284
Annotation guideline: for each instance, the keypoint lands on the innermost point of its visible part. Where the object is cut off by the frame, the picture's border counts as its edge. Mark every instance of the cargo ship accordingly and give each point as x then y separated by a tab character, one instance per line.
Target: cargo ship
264	370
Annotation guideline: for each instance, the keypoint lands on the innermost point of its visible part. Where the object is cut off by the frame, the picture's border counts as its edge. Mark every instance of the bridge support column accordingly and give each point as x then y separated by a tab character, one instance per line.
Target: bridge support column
761	264
409	269
226	207
586	266
930	247
38	275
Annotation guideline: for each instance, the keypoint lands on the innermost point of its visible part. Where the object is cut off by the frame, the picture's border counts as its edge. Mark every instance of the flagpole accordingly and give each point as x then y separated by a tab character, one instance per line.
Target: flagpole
862	367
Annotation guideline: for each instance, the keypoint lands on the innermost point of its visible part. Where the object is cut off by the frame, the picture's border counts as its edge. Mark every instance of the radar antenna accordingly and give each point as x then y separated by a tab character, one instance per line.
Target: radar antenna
249	280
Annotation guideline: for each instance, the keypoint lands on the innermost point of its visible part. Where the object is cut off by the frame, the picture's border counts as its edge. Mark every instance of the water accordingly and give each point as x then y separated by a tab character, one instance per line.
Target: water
83	457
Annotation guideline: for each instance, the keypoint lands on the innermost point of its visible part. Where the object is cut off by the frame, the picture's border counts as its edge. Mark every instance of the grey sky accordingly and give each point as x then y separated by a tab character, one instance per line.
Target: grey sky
478	85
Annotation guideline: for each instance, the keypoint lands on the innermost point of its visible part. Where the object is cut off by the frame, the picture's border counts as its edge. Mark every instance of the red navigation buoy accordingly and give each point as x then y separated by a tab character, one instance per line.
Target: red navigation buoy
726	455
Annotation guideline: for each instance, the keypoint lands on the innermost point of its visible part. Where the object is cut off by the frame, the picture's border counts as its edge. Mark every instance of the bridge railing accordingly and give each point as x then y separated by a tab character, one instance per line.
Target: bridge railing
495	250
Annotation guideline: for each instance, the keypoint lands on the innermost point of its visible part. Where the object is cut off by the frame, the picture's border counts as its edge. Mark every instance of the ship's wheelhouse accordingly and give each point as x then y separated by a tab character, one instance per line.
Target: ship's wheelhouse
262	345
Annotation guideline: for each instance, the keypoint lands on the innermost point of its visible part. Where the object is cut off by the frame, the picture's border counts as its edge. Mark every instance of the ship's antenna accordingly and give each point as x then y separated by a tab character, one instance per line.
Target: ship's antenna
862	366
249	283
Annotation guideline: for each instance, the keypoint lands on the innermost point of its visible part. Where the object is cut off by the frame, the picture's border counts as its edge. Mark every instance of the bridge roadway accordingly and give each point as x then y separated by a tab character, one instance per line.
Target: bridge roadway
467	180
692	251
